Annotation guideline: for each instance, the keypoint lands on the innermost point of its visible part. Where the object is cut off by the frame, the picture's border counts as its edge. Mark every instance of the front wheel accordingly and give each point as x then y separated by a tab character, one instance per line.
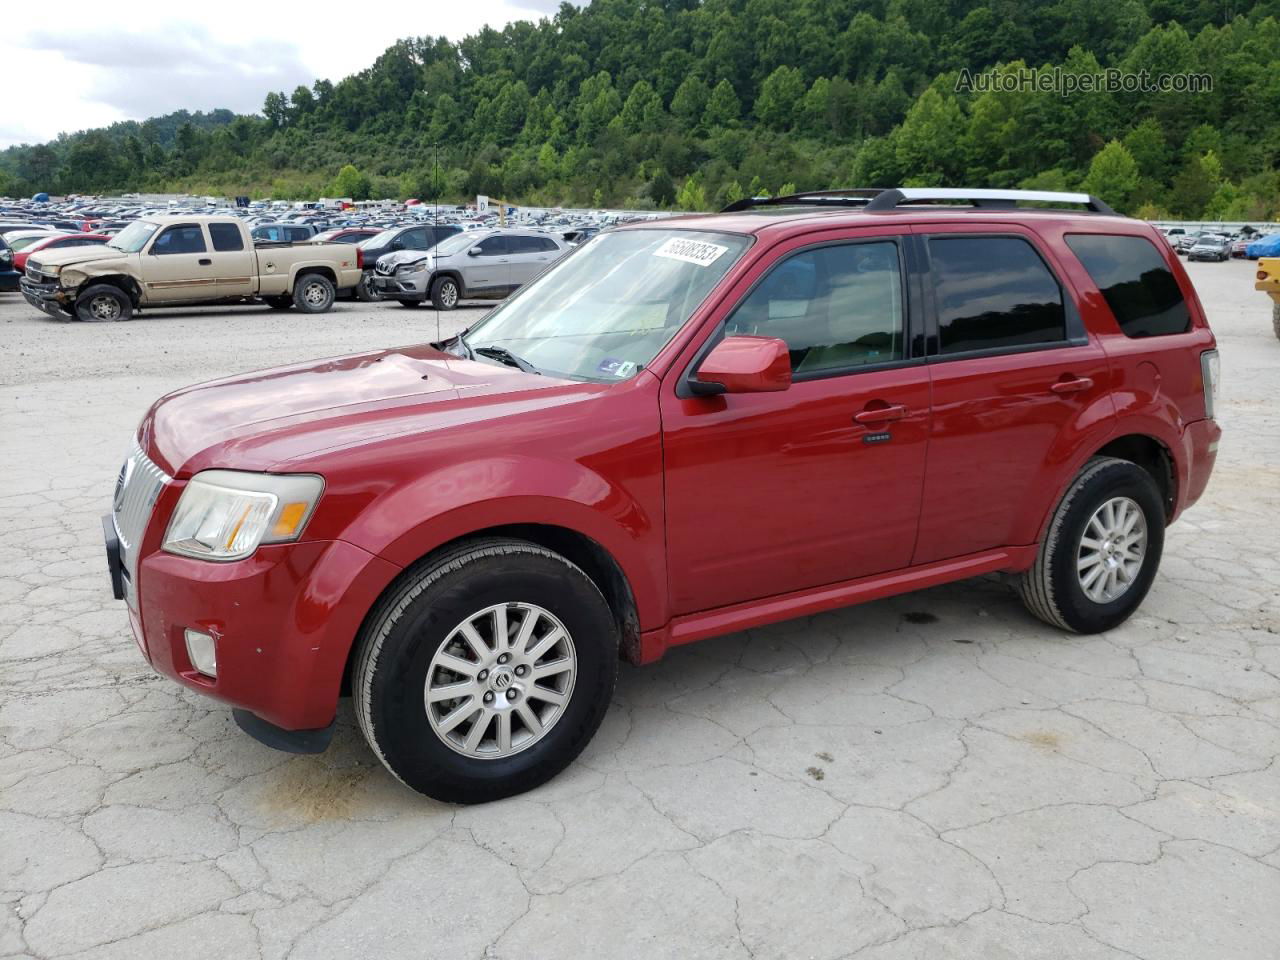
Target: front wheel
365	290
445	293
103	303
1101	553
313	293
485	671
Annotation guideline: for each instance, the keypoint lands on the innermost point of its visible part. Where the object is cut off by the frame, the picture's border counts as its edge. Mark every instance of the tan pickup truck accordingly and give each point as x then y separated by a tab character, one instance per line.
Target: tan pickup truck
179	261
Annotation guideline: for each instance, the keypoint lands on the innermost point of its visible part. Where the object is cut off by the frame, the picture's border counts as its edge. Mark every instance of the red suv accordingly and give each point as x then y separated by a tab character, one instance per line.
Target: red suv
684	428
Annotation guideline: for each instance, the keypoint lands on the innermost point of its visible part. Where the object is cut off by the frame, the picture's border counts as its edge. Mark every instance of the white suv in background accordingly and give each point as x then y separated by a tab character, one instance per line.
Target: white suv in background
476	263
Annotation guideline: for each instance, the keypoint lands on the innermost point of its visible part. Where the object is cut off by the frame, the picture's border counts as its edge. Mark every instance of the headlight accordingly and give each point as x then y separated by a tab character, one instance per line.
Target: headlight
419	267
227	514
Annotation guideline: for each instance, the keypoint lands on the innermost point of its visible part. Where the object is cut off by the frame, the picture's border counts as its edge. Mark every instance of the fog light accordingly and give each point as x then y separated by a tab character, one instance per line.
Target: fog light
202	652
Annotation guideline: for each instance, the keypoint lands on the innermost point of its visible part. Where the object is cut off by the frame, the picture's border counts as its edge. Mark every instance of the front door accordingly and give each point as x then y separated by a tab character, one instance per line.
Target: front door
488	266
769	493
178	266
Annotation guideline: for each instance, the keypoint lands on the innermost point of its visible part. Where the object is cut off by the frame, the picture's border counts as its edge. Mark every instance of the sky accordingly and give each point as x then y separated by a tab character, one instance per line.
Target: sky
94	63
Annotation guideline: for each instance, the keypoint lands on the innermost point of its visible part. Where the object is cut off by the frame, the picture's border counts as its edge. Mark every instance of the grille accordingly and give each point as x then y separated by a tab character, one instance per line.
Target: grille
384	268
137	488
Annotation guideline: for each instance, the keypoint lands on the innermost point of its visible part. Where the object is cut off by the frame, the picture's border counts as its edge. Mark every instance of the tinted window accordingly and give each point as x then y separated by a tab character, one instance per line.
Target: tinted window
524	245
184	238
494	246
299	234
1135	281
546	244
835	307
993	292
225	236
416	239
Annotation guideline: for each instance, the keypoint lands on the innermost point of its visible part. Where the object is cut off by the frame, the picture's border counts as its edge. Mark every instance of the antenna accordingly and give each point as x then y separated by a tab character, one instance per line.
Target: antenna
435	212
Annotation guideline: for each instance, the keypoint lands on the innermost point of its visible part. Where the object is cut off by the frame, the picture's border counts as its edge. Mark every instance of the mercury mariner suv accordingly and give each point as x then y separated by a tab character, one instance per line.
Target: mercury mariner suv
683	428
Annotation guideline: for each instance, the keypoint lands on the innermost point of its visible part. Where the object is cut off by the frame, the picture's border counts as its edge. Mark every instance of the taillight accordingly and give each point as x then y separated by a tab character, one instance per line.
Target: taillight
1210	368
359	259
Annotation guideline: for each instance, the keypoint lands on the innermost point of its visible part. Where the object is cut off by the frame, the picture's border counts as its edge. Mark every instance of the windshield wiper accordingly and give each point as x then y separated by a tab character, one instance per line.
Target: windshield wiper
504	355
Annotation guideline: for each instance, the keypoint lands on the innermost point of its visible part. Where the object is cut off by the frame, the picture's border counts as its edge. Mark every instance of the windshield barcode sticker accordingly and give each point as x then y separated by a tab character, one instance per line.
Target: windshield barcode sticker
690	251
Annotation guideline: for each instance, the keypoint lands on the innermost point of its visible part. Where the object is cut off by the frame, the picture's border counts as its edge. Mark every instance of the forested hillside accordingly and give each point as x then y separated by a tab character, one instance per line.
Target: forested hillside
680	103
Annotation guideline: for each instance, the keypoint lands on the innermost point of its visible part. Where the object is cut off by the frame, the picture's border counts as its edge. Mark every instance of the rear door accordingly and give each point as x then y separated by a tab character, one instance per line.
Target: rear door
528	257
178	266
769	493
1018	386
233	264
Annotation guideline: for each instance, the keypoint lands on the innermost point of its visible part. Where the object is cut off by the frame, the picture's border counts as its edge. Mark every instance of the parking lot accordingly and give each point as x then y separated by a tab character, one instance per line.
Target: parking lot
933	776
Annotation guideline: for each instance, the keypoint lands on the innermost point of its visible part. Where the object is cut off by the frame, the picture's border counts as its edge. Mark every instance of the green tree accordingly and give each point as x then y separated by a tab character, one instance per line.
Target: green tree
692	196
723	107
276	109
350	182
642	112
778	105
597	103
1113	175
662	190
690	101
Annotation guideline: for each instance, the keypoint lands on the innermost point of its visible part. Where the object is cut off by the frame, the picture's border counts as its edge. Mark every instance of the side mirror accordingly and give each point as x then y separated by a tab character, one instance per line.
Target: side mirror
744	365
473	252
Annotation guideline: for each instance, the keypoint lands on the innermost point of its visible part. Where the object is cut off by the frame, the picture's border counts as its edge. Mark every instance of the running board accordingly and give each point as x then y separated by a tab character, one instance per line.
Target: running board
787	606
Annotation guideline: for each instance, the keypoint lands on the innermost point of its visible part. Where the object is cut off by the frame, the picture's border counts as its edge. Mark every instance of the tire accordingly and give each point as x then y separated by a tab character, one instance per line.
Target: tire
445	293
103	303
421	615
411	304
278	303
365	291
313	293
1054	591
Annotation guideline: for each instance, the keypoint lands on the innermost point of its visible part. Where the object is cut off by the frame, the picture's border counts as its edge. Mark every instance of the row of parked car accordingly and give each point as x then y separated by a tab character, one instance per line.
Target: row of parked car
1219	246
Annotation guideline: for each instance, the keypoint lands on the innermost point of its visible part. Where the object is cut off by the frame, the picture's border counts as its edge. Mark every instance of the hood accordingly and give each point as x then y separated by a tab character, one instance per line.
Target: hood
393	260
264	420
69	255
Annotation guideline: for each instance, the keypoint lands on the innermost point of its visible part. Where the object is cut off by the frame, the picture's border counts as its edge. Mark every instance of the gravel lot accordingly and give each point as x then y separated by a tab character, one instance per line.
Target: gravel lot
934	776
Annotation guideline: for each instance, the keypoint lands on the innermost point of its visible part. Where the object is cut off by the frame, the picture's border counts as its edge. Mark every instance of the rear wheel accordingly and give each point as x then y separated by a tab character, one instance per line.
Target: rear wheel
313	293
1102	550
103	303
445	293
365	291
485	671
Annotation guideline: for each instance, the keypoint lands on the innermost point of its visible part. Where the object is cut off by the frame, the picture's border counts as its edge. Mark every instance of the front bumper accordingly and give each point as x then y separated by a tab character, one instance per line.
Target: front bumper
48	297
399	287
283	621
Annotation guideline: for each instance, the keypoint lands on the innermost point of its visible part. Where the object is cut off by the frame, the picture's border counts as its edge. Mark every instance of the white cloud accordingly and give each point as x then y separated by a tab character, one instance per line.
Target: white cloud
128	61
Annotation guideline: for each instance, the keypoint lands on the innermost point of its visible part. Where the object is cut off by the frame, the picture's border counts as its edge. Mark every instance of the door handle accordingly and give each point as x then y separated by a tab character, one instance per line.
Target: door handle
206	262
1073	385
881	414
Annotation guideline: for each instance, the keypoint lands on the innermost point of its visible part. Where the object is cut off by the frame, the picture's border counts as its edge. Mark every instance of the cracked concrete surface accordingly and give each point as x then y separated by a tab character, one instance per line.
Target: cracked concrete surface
869	783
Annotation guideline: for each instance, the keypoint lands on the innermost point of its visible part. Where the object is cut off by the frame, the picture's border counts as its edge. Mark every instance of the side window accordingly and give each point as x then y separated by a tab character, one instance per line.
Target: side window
180	238
226	237
993	292
547	245
1135	281
299	234
523	245
494	246
417	239
836	307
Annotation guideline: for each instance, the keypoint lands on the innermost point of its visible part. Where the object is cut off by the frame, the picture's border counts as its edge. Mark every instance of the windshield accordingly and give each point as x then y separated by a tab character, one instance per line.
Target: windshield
456	243
133	237
22	242
604	312
382	239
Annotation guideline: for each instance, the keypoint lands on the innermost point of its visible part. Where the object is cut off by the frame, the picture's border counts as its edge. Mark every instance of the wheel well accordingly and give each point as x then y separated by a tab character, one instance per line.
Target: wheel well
125	283
457	278
594	560
1152	456
323	271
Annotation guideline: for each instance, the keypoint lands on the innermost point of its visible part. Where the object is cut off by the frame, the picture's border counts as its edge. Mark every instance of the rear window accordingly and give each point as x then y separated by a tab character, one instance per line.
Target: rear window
993	293
1135	281
225	237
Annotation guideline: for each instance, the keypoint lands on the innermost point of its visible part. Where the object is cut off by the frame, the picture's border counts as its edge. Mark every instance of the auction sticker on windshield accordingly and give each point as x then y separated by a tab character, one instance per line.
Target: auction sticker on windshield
691	251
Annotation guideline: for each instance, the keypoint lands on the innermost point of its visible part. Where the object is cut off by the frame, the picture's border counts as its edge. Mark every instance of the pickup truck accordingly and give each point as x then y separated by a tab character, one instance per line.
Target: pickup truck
179	261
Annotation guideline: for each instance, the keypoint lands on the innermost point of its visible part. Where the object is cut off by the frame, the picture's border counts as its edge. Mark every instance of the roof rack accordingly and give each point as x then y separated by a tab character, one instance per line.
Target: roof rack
1006	199
848	197
884	199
